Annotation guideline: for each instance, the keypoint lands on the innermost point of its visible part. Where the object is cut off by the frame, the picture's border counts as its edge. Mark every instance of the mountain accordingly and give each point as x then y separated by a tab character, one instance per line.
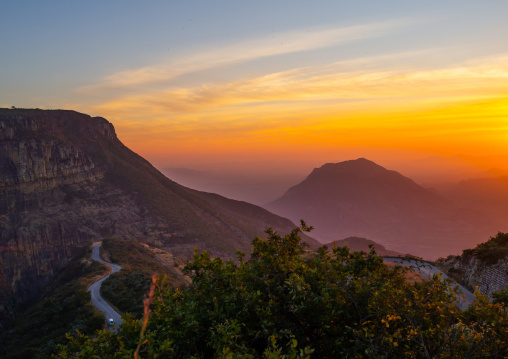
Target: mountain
66	180
359	198
357	244
480	192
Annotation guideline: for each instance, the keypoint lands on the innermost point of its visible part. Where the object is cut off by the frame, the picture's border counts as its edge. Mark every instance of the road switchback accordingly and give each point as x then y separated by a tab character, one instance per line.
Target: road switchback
95	290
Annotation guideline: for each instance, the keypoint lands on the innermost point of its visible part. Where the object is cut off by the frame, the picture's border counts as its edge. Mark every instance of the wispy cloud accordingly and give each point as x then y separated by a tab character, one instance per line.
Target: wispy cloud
222	55
393	99
479	77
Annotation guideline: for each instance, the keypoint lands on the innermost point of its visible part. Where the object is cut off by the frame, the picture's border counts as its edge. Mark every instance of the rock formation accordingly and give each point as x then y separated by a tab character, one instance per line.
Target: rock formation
66	180
485	266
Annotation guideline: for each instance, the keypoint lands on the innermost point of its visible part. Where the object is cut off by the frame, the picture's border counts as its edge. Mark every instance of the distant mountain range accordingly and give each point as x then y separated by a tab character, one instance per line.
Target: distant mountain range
480	192
361	198
242	182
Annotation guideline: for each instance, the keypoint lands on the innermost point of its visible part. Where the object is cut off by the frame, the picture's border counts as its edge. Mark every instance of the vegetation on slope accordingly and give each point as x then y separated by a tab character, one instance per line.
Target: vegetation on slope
283	304
482	267
492	251
126	289
67	308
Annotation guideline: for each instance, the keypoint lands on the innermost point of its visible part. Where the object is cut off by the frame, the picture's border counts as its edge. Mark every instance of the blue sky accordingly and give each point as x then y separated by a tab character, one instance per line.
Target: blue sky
51	49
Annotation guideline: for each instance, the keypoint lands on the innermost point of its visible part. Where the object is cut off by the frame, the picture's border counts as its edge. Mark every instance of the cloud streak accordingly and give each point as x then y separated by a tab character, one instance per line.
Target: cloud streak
387	100
476	78
219	56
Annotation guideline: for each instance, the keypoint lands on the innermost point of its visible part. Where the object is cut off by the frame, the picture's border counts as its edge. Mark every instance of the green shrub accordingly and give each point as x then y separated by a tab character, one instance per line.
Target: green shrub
67	308
492	251
127	289
283	304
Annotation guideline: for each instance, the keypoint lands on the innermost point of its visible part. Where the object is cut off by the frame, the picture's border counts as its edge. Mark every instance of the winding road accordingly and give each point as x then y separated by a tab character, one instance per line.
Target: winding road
427	270
95	290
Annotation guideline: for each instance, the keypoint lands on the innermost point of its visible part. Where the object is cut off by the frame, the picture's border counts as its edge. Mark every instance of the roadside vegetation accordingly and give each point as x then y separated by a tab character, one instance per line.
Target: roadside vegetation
471	269
492	251
284	304
126	289
38	331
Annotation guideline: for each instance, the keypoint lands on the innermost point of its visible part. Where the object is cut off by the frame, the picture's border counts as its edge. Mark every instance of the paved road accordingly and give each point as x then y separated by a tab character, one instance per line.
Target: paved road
427	270
95	289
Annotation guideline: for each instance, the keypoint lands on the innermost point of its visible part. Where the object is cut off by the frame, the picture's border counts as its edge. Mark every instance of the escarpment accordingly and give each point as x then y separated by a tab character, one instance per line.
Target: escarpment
484	267
66	180
53	199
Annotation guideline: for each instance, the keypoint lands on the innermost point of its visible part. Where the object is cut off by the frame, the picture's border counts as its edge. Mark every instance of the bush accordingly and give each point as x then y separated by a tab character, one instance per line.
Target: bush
126	289
284	304
492	251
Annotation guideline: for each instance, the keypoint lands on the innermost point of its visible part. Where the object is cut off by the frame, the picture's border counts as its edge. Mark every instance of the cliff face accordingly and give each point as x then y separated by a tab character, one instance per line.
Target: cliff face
472	272
66	180
485	266
52	198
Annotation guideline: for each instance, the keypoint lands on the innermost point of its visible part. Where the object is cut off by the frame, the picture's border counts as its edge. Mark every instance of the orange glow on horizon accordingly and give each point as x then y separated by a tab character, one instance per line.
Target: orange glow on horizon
474	128
321	112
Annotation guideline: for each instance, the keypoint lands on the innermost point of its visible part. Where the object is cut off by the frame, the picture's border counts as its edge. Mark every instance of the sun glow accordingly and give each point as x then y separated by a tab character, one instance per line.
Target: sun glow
309	111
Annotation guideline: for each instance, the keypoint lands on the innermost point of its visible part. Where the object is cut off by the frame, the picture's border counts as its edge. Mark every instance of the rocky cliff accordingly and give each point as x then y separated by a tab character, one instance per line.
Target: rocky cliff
485	266
66	180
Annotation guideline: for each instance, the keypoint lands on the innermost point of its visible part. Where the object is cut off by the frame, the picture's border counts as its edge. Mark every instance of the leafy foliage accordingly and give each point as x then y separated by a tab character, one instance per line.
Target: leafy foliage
126	289
38	331
492	251
501	297
284	303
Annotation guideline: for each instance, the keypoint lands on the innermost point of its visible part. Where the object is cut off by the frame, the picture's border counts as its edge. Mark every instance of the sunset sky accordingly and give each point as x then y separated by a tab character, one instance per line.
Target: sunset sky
215	82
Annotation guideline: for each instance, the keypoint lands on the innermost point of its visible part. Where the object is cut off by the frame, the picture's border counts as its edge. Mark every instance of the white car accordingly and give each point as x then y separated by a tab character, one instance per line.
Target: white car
111	322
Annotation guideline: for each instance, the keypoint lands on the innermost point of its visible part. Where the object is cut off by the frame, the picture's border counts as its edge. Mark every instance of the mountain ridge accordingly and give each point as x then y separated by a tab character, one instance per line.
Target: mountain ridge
67	180
359	198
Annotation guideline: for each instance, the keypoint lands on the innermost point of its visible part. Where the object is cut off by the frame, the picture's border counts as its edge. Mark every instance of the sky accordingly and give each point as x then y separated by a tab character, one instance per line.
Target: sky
272	85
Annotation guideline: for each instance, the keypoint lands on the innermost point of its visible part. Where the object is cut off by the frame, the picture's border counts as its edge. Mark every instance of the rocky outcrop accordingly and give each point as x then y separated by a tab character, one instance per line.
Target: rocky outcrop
52	198
484	267
472	272
66	180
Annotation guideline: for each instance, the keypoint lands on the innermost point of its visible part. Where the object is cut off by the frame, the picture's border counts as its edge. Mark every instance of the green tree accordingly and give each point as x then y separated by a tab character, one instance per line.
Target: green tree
501	297
286	302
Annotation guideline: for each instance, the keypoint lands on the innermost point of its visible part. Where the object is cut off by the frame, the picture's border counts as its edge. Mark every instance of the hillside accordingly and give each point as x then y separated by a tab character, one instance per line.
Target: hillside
485	266
359	198
127	289
284	303
66	180
65	309
358	244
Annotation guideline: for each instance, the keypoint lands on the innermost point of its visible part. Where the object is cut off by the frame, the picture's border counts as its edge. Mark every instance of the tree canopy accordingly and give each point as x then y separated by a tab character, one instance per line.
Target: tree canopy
286	302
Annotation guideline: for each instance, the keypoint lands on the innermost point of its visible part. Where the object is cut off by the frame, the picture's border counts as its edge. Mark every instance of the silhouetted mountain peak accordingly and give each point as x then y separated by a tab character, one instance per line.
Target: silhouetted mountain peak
356	180
360	167
360	198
